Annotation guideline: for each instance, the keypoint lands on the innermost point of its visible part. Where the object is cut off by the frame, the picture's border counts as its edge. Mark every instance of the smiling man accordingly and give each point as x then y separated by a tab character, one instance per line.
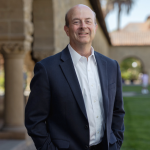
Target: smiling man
76	95
81	28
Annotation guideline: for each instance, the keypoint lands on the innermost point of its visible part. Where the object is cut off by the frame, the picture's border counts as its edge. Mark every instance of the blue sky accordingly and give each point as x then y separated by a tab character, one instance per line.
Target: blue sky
139	12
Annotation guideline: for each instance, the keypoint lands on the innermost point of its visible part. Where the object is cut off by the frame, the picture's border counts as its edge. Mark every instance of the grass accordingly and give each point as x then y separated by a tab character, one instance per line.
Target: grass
137	120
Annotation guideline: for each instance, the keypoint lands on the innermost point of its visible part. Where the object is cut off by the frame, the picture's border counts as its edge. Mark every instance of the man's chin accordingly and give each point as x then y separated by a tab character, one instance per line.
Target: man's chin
84	42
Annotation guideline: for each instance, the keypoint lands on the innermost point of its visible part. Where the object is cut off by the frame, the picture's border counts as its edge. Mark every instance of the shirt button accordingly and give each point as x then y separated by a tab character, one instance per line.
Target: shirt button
97	117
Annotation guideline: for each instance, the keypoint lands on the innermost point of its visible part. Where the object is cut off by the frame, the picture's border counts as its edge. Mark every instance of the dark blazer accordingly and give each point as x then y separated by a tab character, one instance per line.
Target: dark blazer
55	114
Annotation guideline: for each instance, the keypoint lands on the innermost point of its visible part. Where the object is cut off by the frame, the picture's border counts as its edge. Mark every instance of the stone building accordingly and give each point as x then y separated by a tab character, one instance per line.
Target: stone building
132	41
31	30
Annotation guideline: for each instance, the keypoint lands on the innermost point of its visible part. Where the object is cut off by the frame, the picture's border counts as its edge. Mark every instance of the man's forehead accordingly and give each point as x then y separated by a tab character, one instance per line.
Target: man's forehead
79	10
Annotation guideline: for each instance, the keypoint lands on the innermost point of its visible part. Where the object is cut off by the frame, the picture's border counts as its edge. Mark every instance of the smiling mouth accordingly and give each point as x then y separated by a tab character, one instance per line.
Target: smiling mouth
83	33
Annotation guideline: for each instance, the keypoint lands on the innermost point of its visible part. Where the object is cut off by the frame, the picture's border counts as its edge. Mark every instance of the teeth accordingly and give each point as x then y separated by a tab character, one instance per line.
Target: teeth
83	33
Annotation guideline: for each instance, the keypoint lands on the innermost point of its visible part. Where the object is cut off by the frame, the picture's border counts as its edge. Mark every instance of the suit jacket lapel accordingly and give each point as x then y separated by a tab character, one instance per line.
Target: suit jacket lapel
102	69
70	74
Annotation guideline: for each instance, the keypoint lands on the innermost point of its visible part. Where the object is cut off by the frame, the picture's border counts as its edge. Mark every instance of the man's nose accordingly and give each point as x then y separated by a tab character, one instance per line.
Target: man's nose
83	24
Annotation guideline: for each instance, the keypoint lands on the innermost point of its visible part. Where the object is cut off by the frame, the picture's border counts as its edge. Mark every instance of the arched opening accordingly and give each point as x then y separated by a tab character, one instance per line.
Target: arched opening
43	43
131	70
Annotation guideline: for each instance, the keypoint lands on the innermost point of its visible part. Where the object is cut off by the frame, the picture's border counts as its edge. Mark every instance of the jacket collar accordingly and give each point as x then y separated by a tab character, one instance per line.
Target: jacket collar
71	77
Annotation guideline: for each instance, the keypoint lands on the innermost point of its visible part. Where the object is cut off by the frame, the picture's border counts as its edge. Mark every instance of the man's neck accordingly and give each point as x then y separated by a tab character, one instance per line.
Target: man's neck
83	50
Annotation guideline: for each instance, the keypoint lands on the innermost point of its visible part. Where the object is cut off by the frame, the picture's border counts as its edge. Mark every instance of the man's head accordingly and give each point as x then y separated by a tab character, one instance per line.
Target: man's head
66	16
80	25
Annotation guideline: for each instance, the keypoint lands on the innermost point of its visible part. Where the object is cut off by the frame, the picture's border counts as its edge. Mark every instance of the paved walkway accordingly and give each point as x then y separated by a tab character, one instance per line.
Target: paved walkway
130	94
17	145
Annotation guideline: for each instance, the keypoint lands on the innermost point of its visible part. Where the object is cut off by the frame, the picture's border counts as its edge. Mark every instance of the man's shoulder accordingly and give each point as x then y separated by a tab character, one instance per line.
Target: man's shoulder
105	58
110	64
51	59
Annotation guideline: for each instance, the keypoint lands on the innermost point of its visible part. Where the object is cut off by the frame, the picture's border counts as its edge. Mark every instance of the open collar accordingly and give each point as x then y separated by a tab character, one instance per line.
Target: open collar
76	56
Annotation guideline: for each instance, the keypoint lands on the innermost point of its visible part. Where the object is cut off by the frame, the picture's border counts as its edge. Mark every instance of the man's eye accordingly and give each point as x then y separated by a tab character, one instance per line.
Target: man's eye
88	22
76	22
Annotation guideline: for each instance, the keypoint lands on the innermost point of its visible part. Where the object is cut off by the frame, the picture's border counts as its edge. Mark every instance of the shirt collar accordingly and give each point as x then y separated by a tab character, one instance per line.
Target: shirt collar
93	54
76	56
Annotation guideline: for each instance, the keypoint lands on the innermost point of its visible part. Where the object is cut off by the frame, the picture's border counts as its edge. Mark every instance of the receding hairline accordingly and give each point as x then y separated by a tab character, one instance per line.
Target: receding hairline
79	5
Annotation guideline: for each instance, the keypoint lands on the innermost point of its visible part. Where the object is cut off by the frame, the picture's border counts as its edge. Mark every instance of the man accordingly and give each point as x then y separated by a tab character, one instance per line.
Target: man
76	96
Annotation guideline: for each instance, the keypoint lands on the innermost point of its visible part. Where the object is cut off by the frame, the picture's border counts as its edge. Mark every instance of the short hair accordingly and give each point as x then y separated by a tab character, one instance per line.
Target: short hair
67	20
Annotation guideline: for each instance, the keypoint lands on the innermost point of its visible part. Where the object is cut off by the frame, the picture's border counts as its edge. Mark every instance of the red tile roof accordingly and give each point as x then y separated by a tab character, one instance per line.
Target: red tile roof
132	34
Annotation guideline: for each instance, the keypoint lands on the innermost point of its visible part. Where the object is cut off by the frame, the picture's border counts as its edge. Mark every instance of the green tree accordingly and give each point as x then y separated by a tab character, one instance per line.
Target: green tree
128	70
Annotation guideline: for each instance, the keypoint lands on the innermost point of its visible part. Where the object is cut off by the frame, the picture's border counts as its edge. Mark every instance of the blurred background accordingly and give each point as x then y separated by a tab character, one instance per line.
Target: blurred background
31	30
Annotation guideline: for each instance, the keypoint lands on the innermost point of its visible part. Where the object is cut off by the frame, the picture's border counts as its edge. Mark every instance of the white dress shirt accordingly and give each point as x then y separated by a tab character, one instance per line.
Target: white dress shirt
88	77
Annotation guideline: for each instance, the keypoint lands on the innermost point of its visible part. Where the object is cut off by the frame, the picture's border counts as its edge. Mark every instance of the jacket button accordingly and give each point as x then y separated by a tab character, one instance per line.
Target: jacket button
86	146
86	126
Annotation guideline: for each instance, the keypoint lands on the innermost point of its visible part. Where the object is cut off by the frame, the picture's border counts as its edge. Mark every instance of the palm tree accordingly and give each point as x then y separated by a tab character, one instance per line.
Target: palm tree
127	4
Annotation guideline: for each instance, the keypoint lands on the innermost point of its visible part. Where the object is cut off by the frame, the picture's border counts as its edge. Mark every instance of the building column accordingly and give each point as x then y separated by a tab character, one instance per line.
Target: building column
14	100
15	40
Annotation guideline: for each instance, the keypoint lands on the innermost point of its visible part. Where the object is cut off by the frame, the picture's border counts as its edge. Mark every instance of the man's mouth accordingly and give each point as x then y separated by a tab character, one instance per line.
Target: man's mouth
83	33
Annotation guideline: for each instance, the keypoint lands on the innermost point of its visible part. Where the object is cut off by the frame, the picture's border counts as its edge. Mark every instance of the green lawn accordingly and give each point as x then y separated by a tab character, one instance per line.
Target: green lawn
137	120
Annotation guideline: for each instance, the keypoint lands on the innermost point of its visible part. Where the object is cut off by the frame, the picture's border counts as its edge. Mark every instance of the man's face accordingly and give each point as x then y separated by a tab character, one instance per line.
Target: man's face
82	27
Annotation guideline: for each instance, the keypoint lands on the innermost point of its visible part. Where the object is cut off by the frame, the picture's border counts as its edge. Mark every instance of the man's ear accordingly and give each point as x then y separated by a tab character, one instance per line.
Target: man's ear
96	26
66	30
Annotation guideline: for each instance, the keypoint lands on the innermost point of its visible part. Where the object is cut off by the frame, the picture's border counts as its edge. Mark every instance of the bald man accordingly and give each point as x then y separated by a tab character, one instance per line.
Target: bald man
76	95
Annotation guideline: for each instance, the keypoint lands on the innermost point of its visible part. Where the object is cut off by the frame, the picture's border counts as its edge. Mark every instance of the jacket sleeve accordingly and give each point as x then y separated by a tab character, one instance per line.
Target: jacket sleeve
38	108
118	111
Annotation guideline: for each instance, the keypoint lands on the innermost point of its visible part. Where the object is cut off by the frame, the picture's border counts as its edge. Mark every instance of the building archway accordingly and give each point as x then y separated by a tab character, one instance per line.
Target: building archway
131	69
142	53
